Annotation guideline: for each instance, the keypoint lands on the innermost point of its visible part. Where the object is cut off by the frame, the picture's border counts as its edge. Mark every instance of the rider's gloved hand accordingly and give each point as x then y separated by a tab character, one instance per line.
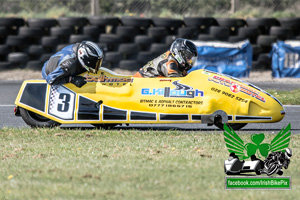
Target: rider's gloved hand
79	81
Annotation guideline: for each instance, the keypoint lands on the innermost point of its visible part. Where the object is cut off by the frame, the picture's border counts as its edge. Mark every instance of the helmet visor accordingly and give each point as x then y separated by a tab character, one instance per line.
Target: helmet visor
95	65
190	58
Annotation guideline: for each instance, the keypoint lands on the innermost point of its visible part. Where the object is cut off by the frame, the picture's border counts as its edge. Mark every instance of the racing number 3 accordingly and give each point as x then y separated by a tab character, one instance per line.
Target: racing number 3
65	102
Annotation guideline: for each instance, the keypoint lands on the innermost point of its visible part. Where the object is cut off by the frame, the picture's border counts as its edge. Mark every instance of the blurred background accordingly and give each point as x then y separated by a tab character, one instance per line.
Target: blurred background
132	32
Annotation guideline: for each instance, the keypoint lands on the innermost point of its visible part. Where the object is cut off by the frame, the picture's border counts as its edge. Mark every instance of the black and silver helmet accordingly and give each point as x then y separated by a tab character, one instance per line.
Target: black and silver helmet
185	52
90	56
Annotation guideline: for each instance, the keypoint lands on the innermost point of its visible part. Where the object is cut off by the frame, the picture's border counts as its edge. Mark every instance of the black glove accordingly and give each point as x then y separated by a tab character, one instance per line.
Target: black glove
79	81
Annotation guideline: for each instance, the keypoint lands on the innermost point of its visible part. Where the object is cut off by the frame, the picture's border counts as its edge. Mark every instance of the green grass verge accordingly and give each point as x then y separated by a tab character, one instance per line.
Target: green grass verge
133	164
287	97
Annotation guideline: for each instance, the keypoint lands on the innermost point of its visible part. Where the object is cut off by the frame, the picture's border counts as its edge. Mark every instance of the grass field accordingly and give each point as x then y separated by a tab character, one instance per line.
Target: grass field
123	164
287	97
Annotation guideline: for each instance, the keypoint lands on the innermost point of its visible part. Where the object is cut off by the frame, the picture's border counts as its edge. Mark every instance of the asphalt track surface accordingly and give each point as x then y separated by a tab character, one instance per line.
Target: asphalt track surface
9	91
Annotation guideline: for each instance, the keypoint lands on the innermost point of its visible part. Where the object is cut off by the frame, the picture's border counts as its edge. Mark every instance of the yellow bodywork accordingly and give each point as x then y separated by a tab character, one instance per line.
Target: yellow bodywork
125	99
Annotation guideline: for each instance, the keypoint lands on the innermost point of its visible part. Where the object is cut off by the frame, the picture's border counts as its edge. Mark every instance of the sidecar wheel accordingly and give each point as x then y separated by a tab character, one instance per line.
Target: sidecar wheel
236	126
35	120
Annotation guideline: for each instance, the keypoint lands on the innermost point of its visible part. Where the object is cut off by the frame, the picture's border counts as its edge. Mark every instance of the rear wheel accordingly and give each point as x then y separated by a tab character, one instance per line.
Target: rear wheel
35	120
232	125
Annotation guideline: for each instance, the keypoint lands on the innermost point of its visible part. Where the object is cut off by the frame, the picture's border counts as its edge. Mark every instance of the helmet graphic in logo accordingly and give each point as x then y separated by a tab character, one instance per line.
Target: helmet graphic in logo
235	88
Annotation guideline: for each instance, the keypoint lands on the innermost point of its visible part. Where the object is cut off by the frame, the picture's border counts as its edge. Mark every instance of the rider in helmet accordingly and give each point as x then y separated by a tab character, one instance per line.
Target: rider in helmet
65	65
173	63
281	159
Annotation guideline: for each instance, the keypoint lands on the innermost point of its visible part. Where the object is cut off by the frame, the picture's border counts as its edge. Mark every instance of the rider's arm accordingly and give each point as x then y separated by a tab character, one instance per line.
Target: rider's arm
58	76
170	69
63	73
55	74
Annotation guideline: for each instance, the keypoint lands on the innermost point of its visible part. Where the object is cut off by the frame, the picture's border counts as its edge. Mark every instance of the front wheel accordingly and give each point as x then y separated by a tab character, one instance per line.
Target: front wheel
35	120
234	126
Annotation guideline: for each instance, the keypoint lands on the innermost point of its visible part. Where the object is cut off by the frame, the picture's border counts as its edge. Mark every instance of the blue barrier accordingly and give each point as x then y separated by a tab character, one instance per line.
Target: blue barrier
285	59
234	59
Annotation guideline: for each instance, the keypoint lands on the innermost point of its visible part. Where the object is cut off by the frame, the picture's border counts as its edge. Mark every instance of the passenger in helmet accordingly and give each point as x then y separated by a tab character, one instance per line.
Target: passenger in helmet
65	65
173	63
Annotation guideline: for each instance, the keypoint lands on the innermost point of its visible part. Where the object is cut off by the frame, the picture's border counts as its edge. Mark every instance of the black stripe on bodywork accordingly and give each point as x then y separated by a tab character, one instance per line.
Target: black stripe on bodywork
239	118
34	95
229	117
196	117
88	109
137	116
173	117
114	114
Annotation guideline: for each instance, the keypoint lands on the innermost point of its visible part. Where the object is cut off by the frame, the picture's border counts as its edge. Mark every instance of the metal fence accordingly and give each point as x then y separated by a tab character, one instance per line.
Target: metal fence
150	8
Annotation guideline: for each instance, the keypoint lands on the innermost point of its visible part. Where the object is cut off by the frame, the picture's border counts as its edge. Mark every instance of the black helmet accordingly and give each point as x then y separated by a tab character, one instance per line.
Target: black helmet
185	52
90	56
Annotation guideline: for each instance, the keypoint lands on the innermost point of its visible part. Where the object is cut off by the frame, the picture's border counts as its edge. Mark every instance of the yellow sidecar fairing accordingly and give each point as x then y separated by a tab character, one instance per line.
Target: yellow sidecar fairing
110	98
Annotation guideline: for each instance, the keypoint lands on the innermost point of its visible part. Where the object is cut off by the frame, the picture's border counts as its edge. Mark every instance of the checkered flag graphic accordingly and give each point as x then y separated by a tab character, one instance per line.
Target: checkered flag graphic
53	97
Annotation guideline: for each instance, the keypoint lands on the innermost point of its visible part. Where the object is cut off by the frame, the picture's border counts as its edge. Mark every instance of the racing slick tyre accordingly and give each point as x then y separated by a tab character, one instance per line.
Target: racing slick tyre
131	65
200	21
104	126
34	65
231	22
234	39
283	33
74	38
73	21
18	59
234	126
221	33
136	21
157	33
188	32
5	65
104	21
35	120
15	40
11	21
41	23
263	24
143	41
61	31
127	32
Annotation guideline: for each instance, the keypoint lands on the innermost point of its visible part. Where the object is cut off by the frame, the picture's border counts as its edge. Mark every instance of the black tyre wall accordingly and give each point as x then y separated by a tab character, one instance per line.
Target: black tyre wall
32	120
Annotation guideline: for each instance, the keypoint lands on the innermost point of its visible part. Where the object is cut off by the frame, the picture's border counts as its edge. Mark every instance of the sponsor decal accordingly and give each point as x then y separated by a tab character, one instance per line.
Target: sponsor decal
237	87
205	72
265	159
105	79
227	94
181	91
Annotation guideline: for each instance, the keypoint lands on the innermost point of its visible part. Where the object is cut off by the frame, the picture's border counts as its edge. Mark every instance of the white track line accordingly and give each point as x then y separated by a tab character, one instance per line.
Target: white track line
7	105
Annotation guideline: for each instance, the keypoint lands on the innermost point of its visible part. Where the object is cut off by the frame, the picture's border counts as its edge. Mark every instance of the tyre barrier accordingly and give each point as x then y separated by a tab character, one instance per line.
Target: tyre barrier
134	38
